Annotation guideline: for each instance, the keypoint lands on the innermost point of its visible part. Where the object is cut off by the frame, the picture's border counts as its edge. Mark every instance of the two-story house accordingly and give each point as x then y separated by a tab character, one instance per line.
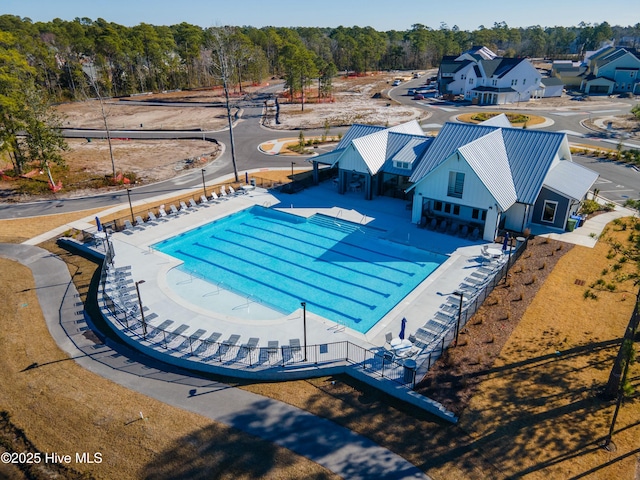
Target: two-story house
486	79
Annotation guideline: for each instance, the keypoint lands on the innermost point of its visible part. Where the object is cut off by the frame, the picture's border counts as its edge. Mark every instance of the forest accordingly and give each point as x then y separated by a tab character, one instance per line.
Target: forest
71	59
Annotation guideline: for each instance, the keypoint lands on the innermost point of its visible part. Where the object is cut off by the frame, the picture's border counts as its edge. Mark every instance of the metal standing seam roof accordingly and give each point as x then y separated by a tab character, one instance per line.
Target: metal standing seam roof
531	154
411	150
357	130
570	179
451	137
498	121
372	143
487	156
411	127
372	148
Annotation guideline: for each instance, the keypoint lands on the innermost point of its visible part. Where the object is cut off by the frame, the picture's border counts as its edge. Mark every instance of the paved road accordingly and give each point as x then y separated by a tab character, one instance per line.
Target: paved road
249	133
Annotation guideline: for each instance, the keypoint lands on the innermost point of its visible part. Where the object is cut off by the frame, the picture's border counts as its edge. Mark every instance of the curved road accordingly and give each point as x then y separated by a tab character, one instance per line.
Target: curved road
248	134
617	182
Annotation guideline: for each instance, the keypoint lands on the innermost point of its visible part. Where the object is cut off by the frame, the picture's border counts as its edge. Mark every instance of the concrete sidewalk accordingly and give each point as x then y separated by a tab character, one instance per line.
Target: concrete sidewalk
322	441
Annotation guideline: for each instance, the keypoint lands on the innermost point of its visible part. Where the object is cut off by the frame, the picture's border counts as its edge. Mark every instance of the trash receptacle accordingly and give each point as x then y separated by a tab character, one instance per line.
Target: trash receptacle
253	182
571	224
409	371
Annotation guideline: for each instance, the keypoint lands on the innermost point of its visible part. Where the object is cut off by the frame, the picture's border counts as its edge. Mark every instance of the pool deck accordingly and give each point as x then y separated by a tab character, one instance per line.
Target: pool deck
233	315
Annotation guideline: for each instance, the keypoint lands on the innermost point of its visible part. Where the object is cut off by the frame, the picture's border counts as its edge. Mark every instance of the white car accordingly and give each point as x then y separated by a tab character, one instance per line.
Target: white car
396	83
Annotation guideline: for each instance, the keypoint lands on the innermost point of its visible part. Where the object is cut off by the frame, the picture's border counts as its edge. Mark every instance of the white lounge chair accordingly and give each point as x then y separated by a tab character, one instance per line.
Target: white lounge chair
140	222
232	191
214	197
161	211
203	200
223	191
183	207
174	210
192	203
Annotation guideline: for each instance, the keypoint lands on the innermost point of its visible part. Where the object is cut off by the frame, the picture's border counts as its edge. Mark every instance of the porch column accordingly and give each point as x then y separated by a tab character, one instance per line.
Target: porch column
316	175
368	186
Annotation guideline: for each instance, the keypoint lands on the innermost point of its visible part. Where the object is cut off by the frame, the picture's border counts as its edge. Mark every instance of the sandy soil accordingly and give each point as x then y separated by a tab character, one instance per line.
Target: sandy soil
354	102
149	159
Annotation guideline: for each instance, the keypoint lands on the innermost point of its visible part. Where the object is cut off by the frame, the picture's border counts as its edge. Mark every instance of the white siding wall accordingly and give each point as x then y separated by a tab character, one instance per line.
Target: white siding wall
514	217
352	161
524	70
474	193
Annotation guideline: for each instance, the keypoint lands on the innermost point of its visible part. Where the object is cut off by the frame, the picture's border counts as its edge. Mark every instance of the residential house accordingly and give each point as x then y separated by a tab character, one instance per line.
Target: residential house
568	72
480	76
611	70
495	177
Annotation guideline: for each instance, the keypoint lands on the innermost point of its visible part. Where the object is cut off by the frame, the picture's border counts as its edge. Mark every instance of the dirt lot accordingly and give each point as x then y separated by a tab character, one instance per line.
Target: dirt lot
356	100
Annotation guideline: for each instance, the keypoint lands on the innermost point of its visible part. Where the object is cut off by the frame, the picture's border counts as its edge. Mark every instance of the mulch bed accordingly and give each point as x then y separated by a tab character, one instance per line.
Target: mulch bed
453	379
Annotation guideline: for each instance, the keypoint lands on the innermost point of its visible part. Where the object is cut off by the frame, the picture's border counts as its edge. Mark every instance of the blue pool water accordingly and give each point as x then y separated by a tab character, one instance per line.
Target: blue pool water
343	271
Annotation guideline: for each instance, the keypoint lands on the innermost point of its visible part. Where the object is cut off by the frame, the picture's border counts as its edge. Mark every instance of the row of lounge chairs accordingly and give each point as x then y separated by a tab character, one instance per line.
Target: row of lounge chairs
446	318
163	215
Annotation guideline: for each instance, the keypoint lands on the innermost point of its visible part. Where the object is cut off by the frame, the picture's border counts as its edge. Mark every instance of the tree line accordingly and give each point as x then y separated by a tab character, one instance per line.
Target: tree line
66	56
59	60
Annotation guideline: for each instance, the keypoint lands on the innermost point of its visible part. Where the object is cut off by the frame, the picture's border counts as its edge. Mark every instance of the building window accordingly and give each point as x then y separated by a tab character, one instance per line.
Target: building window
549	211
447	208
475	214
484	215
514	82
463	77
471	81
456	184
402	165
524	81
437	206
456	209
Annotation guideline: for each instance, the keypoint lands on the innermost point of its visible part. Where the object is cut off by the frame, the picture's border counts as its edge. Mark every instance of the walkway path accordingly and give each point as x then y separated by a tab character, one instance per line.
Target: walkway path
322	441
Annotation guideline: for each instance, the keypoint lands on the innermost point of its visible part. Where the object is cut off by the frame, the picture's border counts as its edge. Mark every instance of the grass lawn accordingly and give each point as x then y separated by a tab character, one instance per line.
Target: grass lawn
532	411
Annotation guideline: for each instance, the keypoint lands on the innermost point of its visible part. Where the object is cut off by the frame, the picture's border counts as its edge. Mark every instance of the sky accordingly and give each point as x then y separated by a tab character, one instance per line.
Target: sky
380	14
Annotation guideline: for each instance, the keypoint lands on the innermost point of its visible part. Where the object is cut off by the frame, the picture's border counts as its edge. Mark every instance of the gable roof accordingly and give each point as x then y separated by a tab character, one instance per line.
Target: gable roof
498	121
451	137
356	131
499	67
374	144
487	156
530	153
570	179
378	146
411	149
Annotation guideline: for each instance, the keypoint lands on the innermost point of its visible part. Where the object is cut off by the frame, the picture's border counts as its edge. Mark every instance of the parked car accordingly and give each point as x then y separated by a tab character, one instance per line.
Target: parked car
418	96
396	83
411	91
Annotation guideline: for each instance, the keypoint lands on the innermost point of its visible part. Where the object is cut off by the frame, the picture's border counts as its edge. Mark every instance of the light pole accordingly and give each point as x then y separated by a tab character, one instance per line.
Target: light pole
144	323
304	326
204	188
460	294
130	206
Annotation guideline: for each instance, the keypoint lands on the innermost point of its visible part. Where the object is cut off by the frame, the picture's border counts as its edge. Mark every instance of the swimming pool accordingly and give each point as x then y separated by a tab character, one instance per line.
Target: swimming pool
343	271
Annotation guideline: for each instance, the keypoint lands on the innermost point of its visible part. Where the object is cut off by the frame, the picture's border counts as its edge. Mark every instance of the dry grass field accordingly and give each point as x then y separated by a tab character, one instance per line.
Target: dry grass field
532	412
